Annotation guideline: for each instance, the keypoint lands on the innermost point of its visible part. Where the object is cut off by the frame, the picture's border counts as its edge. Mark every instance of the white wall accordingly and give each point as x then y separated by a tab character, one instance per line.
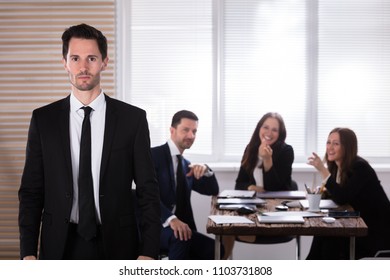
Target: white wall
226	177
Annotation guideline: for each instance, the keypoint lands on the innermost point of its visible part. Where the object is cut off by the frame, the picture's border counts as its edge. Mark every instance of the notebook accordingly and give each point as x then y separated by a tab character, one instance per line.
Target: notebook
281	219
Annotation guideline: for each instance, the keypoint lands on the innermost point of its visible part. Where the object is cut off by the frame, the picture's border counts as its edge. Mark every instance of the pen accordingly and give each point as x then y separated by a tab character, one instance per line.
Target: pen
307	189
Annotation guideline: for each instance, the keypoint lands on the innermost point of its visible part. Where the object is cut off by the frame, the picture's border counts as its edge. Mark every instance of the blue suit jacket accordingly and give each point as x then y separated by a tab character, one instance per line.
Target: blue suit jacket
166	179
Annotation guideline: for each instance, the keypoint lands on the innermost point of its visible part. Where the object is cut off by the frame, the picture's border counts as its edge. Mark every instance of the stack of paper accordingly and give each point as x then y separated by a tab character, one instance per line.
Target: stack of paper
224	219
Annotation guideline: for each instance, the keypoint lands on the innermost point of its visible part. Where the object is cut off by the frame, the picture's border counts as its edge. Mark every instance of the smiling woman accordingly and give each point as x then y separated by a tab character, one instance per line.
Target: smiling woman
265	166
349	179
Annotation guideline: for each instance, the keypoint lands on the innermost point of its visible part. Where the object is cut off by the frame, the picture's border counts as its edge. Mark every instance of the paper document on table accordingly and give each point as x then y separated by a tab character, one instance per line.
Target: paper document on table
281	219
225	219
256	201
305	214
324	203
237	194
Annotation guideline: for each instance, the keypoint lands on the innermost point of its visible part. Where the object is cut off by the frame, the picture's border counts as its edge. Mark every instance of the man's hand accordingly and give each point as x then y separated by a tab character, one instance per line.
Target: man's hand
197	170
29	258
265	150
256	188
144	258
181	230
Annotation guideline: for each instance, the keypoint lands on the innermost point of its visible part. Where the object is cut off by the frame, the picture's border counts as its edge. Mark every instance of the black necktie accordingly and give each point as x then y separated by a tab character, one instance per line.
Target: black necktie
183	206
87	216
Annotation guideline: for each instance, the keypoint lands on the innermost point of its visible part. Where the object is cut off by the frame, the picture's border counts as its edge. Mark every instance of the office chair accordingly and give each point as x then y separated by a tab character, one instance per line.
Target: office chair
379	255
382	254
279	239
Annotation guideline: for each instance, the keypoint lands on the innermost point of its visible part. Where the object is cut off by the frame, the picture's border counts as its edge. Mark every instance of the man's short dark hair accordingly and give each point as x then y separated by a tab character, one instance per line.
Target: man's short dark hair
183	114
84	31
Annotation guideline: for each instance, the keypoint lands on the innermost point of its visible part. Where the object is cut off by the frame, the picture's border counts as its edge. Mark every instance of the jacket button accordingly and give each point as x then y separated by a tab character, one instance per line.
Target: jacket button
66	221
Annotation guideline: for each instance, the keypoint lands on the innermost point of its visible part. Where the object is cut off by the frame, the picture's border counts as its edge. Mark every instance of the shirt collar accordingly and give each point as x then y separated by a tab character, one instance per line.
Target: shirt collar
173	148
97	104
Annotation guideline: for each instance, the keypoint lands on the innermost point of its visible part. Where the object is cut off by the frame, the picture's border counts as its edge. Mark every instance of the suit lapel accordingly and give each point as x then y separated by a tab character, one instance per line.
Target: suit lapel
168	157
109	130
65	136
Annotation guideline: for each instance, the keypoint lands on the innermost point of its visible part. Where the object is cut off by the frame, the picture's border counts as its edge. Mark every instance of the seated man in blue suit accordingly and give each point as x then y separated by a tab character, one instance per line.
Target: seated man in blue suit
179	235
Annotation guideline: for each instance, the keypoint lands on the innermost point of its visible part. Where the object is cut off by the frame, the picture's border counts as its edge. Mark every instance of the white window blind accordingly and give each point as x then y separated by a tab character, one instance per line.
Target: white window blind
265	69
169	53
32	75
354	71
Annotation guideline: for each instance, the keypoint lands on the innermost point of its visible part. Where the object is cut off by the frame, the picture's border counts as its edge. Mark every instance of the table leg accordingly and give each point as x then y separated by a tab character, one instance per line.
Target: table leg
298	247
217	247
352	248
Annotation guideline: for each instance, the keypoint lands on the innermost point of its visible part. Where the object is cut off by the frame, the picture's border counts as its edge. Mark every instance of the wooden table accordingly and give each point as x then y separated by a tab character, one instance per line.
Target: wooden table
313	226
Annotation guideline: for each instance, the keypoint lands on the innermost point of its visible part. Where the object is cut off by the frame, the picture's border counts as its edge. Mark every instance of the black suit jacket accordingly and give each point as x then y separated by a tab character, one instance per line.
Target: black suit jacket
46	190
166	179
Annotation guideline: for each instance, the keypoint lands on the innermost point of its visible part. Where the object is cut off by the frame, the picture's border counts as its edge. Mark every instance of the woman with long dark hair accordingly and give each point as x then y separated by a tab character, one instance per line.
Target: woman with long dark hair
265	166
350	179
267	160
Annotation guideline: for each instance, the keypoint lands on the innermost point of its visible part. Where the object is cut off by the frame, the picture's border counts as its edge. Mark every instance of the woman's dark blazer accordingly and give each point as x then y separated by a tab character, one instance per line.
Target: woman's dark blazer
278	178
363	191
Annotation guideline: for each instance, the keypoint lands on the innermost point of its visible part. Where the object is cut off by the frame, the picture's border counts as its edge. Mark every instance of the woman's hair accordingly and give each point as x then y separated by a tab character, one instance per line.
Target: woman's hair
250	157
349	150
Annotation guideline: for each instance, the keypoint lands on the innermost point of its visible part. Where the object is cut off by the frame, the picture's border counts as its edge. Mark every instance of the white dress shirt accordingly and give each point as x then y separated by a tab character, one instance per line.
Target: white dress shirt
174	153
97	118
258	173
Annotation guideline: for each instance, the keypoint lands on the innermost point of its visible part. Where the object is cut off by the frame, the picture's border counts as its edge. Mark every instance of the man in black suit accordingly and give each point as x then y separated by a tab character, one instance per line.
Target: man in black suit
179	236
120	154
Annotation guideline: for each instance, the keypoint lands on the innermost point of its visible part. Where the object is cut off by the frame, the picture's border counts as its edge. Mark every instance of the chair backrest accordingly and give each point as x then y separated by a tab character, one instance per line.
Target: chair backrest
294	185
382	254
